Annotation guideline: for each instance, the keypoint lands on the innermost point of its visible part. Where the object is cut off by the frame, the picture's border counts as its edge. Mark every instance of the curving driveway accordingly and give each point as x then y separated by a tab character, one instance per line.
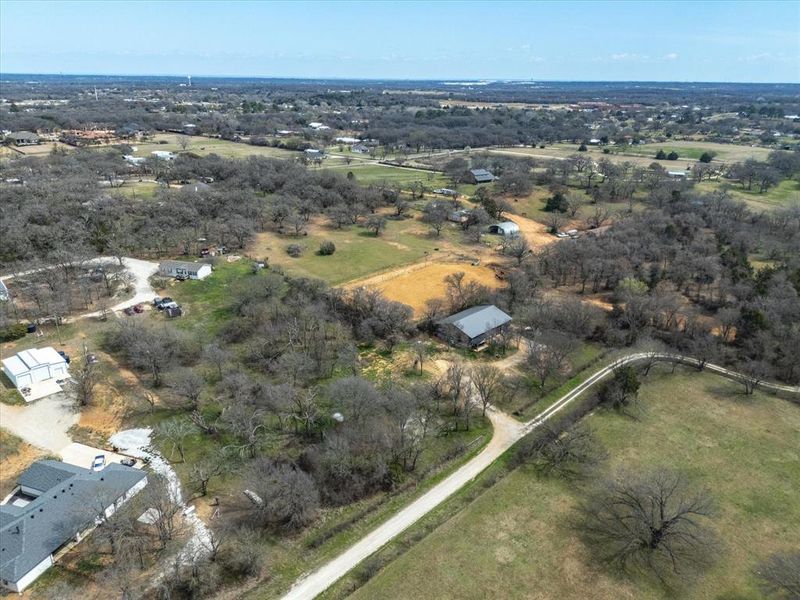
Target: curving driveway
140	269
507	432
144	293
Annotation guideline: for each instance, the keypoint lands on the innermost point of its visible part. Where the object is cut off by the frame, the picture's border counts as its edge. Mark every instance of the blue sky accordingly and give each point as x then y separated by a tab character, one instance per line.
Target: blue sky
655	41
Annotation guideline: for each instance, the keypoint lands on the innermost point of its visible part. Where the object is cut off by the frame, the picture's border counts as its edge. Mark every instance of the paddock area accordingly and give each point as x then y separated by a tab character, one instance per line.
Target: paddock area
416	284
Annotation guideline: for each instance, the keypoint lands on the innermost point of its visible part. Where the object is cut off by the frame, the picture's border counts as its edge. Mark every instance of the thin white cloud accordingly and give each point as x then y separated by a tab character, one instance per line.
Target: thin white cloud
629	57
768	57
671	56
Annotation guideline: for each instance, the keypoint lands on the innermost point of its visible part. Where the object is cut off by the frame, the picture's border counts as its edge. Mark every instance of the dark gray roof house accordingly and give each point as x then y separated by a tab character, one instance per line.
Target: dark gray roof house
478	176
54	505
473	326
23	138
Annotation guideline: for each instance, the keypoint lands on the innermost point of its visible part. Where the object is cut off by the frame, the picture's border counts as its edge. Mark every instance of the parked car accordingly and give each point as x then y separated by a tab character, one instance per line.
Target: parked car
164	303
99	462
173	312
65	356
128	462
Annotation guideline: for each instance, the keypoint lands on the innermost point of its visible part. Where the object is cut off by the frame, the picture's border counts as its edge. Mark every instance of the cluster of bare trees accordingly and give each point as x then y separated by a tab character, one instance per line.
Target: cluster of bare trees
277	398
62	213
669	267
70	284
753	174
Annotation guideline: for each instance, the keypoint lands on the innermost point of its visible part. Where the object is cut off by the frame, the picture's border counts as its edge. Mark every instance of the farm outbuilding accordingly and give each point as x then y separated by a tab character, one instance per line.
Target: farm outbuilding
23	138
506	229
473	326
459	216
33	366
183	269
478	176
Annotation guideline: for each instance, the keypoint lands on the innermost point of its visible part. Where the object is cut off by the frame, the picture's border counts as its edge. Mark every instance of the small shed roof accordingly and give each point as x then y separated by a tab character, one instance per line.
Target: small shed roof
477	320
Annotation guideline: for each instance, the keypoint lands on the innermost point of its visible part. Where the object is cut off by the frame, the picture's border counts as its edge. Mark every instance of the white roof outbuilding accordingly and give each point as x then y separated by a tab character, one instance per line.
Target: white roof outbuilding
505	228
33	366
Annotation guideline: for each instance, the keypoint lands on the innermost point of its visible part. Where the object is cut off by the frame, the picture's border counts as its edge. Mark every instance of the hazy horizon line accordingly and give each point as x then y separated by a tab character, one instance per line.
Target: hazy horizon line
395	79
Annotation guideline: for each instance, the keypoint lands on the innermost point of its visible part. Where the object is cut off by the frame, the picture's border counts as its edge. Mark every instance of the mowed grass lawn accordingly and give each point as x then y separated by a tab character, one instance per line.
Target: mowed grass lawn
516	539
358	252
204	146
783	194
375	174
695	149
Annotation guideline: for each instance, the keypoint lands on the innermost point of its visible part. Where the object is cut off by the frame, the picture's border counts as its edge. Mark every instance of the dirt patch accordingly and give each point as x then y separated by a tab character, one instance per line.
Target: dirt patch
415	284
535	232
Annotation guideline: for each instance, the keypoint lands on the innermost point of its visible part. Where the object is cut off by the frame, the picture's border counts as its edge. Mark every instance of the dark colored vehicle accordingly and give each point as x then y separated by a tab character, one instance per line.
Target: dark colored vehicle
64	356
173	311
167	300
128	462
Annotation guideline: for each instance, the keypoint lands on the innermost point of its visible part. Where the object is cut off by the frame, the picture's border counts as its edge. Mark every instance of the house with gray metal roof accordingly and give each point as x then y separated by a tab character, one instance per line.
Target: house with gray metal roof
53	506
478	176
474	326
23	138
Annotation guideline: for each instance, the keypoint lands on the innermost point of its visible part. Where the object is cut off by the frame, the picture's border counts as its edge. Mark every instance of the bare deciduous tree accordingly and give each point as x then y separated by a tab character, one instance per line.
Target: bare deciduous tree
173	433
569	454
779	575
283	496
187	384
488	383
84	373
650	522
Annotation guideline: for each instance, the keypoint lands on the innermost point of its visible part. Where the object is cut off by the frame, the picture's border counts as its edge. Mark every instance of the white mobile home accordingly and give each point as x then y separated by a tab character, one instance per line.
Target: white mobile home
182	269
